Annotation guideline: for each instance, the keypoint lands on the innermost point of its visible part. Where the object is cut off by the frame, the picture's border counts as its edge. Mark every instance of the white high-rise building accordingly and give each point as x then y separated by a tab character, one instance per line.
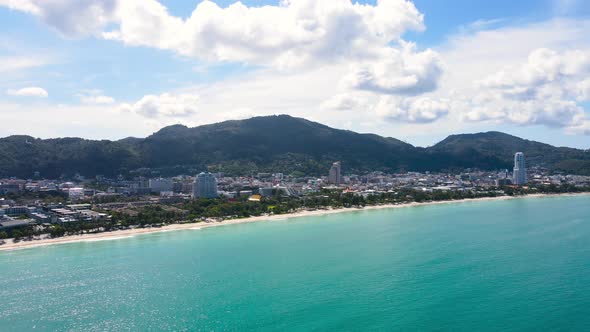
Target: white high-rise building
335	176
519	173
205	186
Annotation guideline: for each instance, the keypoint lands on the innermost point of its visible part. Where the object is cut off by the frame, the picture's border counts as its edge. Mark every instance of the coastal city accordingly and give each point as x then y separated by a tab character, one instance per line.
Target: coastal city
295	165
42	203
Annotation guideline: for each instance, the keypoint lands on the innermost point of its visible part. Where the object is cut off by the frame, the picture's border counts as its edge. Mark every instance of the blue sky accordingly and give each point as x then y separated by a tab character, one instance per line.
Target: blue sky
64	75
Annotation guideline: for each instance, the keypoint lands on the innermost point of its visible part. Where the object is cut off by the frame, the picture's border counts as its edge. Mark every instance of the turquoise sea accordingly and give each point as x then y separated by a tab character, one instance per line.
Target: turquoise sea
515	265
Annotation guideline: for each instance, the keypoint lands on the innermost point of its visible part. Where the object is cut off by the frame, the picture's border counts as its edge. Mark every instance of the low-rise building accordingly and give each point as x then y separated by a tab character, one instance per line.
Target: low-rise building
8	224
16	211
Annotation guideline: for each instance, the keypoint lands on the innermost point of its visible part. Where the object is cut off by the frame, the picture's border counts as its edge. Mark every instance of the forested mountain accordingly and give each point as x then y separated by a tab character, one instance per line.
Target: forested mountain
501	146
273	143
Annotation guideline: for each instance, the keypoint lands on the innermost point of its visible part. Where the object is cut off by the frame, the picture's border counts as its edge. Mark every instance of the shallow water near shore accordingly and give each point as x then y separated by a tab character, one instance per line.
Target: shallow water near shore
493	265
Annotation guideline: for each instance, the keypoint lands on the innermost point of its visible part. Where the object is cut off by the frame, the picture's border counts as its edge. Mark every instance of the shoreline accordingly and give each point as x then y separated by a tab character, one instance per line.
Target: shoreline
122	234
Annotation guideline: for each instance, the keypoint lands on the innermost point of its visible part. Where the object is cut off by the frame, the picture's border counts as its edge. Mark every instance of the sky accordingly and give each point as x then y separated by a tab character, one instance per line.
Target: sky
414	70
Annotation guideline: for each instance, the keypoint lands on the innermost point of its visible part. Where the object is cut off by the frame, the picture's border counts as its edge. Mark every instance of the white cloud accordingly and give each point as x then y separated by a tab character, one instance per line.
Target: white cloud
255	94
413	110
360	43
16	63
95	96
290	33
544	67
71	18
552	113
164	105
476	55
481	24
405	72
344	102
293	33
28	92
27	6
542	91
88	121
538	80
583	128
583	90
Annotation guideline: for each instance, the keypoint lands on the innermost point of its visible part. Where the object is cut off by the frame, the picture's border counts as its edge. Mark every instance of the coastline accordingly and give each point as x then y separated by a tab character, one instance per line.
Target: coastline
121	234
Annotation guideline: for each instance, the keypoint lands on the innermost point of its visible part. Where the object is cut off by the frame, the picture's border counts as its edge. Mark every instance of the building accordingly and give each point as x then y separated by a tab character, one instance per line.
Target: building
89	215
266	192
205	186
75	193
12	187
245	193
63	215
16	211
14	223
503	179
41	217
159	185
78	207
335	176
519	174
255	198
277	190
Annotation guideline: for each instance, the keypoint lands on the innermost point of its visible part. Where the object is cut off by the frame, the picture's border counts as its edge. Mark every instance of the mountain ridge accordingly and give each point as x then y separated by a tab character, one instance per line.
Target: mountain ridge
279	143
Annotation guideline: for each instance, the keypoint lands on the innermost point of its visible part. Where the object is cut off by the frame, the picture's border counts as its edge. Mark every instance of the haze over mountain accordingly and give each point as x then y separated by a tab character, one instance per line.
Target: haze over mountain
272	143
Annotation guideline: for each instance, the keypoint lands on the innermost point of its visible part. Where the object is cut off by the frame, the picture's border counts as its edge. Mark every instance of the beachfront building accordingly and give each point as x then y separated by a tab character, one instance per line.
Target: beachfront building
519	177
335	176
205	186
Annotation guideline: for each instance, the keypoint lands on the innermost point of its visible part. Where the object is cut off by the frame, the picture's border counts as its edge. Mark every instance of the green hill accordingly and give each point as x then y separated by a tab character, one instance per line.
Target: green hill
273	143
501	147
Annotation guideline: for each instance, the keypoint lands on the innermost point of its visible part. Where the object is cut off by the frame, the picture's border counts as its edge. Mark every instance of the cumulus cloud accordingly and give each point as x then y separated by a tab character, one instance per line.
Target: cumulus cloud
542	91
28	92
292	33
412	110
164	105
404	72
552	113
543	68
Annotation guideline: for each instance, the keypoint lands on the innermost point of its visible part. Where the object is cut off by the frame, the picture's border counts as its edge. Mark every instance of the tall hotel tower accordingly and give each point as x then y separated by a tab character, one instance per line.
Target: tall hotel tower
519	173
335	175
205	186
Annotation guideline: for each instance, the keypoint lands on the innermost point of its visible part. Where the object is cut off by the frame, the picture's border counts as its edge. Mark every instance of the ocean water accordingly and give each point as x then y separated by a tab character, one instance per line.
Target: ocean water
517	265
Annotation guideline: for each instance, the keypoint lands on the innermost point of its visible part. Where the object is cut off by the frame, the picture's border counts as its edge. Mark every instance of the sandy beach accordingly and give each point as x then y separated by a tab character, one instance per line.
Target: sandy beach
121	234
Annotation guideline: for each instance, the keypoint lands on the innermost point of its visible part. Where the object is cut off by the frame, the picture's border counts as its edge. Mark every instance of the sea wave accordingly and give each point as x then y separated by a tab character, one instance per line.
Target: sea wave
108	238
